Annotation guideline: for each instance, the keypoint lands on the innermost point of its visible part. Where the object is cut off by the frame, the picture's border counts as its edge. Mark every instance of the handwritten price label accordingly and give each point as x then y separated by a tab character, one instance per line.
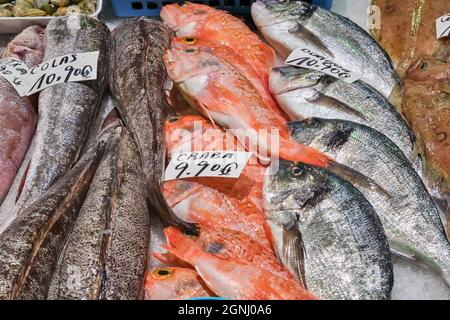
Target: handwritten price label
308	59
443	26
69	68
225	164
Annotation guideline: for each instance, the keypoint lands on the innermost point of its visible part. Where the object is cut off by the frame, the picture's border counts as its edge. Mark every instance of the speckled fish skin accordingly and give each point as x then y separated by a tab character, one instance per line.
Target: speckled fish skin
288	25
407	212
137	84
65	110
325	230
304	93
109	243
18	116
30	246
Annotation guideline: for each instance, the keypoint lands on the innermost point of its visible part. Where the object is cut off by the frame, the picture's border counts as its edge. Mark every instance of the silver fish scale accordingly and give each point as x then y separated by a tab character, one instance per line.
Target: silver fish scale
346	255
372	109
408	214
64	121
352	47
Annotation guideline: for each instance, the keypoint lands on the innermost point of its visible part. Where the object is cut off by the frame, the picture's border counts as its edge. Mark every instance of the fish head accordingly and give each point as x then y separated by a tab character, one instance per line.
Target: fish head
270	12
289	188
185	16
286	79
171	283
28	46
188	63
201	44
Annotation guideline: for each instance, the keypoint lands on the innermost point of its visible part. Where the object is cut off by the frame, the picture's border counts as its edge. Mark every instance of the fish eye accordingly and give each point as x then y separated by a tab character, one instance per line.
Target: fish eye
189	40
190	234
174	119
296	171
189	50
161	273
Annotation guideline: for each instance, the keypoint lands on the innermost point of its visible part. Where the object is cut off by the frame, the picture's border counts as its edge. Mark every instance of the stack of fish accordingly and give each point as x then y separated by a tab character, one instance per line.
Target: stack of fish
348	189
84	213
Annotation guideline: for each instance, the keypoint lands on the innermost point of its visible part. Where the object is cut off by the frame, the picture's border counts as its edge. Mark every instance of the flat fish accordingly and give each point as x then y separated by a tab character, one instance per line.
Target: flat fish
65	110
409	217
137	82
18	116
30	246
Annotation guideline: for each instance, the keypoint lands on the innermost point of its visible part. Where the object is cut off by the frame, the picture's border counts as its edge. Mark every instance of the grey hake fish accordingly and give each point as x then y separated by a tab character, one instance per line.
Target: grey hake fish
137	81
327	233
30	246
107	249
304	93
65	110
287	25
406	209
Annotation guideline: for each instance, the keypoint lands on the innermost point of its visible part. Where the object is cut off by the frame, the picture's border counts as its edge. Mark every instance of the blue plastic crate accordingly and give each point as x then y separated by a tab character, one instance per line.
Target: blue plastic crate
133	8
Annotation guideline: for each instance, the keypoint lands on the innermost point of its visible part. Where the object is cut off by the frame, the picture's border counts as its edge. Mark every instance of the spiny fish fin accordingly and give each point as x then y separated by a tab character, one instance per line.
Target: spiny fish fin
205	112
356	178
305	35
332	103
294	253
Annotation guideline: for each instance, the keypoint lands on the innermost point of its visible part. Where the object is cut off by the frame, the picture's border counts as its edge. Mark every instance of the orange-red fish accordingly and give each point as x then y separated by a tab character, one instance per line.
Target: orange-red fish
174	283
206	22
228	243
233	278
235	59
220	92
195	133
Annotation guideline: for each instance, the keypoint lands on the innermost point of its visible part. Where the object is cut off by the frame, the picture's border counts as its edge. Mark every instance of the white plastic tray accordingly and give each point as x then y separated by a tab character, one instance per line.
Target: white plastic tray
17	24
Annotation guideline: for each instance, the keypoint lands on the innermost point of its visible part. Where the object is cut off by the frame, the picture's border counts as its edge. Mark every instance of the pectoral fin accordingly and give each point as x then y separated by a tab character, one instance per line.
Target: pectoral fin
307	36
293	253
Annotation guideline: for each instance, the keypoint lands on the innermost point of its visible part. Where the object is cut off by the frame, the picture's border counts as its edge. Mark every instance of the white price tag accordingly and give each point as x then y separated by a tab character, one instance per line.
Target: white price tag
443	26
307	58
225	164
69	68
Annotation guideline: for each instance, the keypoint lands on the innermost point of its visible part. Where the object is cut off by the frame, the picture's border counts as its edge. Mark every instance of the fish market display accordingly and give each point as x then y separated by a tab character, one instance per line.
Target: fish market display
233	278
30	246
304	93
107	247
65	110
133	186
328	234
18	117
406	210
289	25
137	84
202	21
174	283
40	8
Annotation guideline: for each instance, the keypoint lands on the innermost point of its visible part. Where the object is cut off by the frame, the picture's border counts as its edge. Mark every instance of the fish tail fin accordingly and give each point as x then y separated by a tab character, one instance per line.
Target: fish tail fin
296	152
356	178
181	246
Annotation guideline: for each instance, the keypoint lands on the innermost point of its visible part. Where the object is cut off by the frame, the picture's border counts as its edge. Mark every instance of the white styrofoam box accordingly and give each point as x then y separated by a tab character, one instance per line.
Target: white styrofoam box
17	24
